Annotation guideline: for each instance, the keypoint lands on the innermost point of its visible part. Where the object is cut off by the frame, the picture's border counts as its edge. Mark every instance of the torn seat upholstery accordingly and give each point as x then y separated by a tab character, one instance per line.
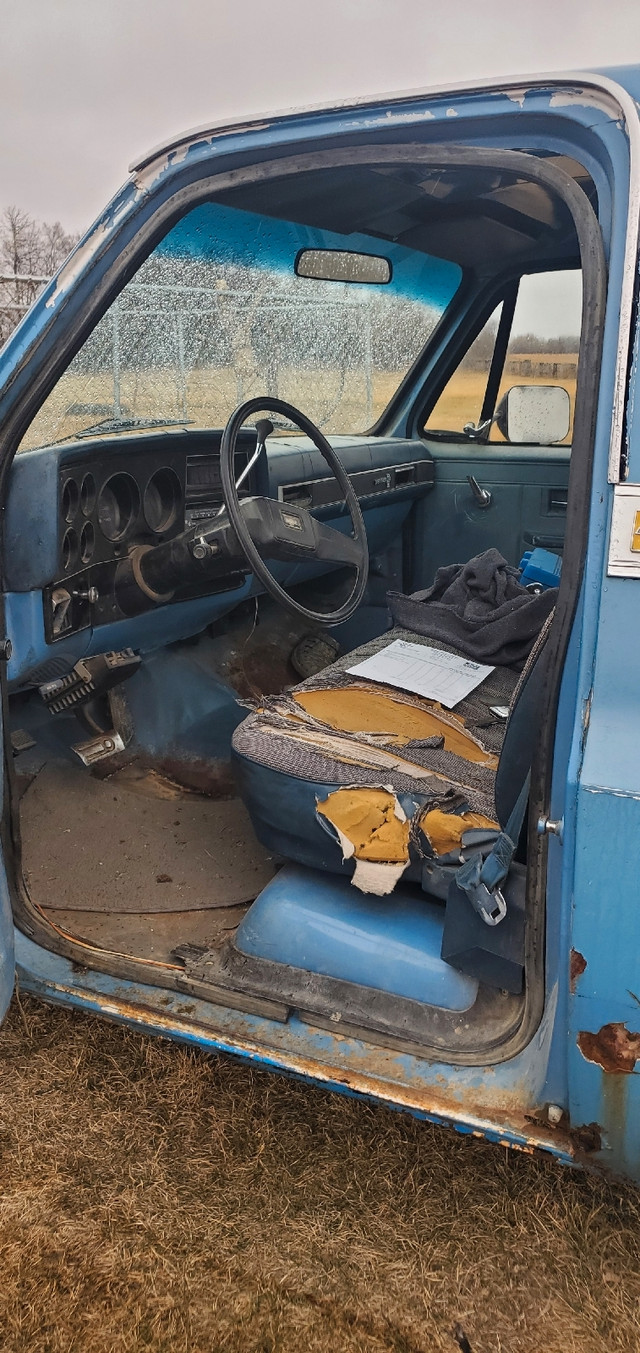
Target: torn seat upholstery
354	777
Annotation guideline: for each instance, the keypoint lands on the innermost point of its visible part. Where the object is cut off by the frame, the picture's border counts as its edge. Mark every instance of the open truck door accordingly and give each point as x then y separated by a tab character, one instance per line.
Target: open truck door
169	555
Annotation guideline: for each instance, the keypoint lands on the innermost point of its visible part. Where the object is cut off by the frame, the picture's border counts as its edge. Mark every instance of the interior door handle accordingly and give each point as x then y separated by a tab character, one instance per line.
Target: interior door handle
483	497
545	542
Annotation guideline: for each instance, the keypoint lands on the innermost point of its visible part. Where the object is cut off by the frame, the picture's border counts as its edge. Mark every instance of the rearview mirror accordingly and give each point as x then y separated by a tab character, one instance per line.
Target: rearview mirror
534	413
339	265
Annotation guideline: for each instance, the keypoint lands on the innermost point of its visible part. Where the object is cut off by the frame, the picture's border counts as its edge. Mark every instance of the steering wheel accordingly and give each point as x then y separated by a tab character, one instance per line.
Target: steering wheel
287	530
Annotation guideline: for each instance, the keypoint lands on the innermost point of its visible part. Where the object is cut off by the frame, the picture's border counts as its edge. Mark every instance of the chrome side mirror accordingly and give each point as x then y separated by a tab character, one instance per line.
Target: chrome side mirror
538	414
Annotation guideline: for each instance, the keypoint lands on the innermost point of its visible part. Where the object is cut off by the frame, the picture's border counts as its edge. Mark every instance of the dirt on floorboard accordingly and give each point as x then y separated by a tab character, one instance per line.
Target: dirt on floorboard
156	1198
118	846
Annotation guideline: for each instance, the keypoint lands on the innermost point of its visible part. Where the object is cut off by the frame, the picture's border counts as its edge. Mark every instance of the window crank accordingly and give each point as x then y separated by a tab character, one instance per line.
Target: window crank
482	496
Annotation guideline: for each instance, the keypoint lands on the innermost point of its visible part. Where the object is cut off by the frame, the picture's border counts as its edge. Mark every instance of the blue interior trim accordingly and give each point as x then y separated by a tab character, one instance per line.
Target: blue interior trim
325	925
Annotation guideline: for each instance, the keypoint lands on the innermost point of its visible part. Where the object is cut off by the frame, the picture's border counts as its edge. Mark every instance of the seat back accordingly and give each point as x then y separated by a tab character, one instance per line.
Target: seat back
523	728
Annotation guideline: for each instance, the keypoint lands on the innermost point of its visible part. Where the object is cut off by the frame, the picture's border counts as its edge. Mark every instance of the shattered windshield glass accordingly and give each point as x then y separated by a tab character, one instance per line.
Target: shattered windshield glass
217	314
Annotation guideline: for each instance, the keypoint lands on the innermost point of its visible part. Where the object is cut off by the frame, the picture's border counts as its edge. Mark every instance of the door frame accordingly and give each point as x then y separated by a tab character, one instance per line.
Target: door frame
137	244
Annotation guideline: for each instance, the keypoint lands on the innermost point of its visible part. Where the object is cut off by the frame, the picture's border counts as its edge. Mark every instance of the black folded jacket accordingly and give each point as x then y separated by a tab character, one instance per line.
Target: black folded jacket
480	608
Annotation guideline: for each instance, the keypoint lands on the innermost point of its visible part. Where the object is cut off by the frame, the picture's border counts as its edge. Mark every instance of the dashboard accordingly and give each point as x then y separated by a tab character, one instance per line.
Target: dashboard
88	502
103	511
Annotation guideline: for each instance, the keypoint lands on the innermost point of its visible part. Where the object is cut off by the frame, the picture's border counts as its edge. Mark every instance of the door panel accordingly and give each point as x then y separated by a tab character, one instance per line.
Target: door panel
528	487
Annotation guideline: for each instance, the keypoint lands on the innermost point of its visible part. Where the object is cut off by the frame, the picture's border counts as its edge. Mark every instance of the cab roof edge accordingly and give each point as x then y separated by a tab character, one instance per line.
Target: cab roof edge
579	79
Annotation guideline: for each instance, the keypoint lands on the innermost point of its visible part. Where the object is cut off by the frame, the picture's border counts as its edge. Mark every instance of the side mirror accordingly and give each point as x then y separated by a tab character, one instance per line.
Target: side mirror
534	413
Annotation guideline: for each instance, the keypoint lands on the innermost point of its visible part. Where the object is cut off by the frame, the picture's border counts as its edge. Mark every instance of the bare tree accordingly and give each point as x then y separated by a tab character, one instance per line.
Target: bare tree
30	253
55	243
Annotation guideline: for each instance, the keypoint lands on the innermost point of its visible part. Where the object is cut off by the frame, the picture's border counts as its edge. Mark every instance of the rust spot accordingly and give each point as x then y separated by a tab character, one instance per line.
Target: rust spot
214	779
587	1137
261	669
615	1048
577	966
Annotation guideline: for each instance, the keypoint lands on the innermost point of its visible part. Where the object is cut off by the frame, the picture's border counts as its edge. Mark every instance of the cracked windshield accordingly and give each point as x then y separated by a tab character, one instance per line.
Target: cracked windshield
218	314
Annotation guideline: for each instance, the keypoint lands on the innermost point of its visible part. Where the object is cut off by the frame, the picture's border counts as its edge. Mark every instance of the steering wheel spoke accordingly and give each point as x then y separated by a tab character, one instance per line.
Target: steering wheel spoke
267	529
336	547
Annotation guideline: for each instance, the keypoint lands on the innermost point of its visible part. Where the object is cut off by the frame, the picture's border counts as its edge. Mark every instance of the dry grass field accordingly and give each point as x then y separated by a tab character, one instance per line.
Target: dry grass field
209	395
461	400
154	1198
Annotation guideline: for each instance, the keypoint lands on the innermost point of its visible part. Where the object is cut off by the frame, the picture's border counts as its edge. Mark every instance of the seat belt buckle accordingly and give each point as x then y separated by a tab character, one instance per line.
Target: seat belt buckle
489	903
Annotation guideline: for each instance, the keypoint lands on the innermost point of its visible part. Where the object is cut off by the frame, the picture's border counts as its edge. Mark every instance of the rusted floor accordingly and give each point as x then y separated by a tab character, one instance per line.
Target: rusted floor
152	935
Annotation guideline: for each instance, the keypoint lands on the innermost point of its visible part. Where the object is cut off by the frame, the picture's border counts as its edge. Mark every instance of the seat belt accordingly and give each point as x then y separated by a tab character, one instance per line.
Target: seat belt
481	878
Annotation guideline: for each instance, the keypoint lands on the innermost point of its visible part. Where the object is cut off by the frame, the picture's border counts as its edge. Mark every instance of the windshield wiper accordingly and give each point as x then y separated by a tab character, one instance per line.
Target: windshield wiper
131	424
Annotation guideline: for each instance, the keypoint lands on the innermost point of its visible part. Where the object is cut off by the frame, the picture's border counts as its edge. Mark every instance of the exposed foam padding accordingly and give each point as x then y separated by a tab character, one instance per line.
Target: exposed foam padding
368	709
372	821
444	831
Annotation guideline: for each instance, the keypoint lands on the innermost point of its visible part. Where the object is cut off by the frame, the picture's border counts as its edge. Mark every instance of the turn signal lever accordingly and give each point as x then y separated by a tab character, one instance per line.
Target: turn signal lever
264	427
201	548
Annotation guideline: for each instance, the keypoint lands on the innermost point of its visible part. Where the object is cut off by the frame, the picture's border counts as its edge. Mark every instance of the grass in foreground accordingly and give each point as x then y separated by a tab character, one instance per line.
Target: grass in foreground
155	1198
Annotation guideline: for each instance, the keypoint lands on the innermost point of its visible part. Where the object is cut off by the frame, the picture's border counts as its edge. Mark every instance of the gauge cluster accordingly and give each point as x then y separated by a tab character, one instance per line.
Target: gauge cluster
102	513
108	504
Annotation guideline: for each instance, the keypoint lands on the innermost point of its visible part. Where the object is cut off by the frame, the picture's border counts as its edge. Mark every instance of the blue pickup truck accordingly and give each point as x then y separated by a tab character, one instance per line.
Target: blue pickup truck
320	476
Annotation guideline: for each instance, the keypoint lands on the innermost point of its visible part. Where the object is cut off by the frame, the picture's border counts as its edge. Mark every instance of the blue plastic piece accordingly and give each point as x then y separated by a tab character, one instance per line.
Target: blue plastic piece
324	925
180	707
540	566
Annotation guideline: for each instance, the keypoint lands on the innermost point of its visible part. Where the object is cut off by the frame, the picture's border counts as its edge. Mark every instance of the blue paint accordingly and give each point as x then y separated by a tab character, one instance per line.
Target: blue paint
283	813
339	1063
327	926
25	627
33	556
180	707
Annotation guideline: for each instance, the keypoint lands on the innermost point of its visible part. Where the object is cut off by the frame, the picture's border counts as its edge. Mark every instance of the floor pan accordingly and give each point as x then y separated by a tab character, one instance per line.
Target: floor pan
134	846
150	935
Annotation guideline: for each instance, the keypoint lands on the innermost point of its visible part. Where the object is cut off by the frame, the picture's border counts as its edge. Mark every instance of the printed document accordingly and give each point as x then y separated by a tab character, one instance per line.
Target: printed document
431	672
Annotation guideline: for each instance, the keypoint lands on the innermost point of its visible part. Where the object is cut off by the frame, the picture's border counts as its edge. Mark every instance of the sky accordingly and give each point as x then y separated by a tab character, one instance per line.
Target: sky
88	85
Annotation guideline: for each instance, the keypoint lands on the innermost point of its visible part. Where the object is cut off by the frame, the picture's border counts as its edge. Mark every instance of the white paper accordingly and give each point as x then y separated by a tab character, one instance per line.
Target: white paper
431	672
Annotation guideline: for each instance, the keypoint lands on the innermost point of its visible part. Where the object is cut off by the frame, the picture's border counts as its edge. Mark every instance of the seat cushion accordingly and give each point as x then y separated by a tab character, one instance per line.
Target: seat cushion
336	729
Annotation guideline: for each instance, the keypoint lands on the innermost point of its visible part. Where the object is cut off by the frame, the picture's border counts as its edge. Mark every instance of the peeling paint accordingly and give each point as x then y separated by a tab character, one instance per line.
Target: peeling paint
586	716
515	96
422	115
452	112
85	251
570	98
577	966
150	168
77	262
367	1075
614	1047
